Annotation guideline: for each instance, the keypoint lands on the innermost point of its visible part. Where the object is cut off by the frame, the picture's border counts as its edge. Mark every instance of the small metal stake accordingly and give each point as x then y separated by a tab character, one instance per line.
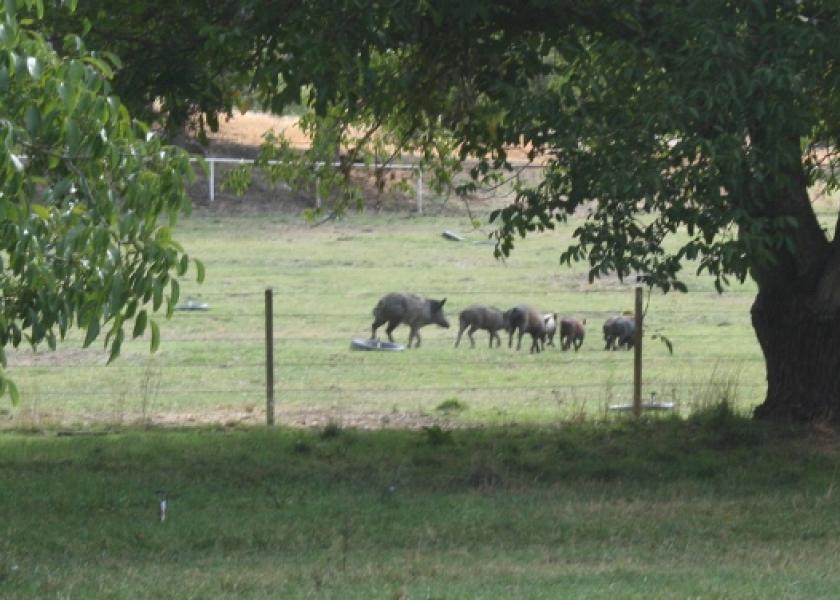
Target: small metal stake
163	496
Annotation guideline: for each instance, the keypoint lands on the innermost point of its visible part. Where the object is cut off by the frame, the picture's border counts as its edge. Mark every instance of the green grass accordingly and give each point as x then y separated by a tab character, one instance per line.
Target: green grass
714	506
326	281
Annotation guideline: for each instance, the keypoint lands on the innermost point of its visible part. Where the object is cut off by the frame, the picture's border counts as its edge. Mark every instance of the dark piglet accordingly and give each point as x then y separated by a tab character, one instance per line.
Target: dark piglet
572	332
526	319
619	332
414	311
489	318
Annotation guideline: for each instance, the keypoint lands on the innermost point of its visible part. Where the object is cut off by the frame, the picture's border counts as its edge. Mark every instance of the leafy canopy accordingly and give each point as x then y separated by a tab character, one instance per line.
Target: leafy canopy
650	116
181	63
83	188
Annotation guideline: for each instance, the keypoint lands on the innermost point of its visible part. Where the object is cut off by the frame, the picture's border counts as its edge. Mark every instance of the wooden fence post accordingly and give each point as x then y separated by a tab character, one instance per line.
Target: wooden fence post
269	357
420	191
212	181
637	357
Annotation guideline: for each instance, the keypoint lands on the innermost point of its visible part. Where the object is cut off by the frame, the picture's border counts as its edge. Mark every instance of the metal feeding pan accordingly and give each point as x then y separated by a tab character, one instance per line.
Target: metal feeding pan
192	304
362	344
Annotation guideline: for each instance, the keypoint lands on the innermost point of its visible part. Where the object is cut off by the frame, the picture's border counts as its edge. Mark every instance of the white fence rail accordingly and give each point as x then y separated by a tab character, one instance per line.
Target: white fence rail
211	184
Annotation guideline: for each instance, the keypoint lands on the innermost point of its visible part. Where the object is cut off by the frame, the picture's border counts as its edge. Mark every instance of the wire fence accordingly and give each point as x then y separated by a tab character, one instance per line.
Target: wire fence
415	183
204	374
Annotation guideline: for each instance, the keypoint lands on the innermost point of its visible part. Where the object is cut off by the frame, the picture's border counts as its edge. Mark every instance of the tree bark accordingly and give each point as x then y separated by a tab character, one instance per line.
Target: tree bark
800	338
796	314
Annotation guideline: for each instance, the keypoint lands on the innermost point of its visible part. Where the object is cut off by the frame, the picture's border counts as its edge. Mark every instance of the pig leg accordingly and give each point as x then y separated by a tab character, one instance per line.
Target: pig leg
391	326
519	340
416	333
460	333
470	333
376	324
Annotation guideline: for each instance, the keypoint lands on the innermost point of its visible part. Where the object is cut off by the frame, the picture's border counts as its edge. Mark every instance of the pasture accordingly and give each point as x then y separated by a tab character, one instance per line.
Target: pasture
713	506
327	279
430	473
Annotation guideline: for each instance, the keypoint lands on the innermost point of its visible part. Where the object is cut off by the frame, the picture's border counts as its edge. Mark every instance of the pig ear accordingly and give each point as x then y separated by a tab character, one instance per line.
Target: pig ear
442	302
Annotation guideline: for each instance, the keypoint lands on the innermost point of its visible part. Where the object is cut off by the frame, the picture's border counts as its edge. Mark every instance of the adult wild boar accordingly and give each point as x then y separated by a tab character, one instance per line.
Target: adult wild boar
619	331
572	332
526	319
414	311
489	318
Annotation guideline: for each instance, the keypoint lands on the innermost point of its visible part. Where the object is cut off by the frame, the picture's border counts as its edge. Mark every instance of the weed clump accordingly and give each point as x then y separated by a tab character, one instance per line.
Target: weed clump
451	405
721	426
331	431
435	436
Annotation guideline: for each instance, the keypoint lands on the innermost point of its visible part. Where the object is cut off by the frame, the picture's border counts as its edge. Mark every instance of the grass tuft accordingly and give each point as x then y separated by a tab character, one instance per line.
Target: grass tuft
331	430
451	405
435	436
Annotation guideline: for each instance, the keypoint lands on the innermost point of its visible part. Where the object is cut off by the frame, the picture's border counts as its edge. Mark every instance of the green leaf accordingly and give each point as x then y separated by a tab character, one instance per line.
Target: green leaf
155	344
176	291
140	324
41	210
32	119
17	162
116	345
116	299
92	332
184	264
157	294
72	136
668	343
101	65
33	65
14	394
199	267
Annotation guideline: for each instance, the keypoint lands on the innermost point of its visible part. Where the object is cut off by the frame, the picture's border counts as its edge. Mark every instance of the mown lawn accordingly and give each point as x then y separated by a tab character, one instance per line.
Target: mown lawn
326	281
714	506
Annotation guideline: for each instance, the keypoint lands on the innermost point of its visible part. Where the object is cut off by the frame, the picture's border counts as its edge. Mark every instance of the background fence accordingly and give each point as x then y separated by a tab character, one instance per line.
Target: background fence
421	195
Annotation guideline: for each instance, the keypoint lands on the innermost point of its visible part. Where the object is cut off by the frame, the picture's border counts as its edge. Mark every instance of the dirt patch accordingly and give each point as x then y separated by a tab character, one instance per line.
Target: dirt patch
305	419
246	130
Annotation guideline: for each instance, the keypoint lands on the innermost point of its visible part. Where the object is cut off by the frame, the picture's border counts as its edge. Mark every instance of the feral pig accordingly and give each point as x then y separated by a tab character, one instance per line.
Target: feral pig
571	333
526	319
477	317
414	311
550	321
618	332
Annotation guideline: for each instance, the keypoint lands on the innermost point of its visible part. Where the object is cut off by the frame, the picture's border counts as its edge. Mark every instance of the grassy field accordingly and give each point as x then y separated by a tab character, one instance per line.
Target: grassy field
709	507
435	473
326	281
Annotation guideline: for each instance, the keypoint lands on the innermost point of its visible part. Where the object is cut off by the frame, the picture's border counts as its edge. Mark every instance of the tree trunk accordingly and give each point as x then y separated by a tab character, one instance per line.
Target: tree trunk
800	338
